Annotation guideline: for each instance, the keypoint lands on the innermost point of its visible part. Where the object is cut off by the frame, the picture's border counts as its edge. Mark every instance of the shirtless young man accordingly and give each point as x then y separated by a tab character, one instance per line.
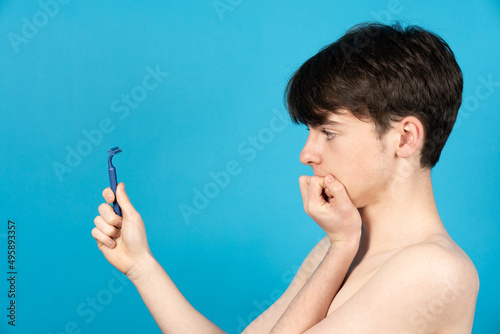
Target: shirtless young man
379	103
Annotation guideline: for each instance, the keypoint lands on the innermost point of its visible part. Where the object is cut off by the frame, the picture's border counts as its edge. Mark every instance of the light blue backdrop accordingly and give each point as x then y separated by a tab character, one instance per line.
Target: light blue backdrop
220	68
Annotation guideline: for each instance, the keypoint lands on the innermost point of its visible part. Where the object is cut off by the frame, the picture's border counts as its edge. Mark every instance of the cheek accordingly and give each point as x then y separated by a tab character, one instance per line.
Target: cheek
351	168
358	175
363	174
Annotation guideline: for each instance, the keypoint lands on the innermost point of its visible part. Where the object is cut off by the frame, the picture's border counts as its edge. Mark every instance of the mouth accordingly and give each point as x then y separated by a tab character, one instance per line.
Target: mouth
319	174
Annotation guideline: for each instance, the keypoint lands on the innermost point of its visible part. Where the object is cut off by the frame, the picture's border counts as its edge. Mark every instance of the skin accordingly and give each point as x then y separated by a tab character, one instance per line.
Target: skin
386	264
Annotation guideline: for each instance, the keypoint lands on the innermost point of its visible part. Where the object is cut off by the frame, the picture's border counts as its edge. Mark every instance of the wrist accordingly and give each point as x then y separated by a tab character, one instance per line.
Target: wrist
349	244
345	240
142	268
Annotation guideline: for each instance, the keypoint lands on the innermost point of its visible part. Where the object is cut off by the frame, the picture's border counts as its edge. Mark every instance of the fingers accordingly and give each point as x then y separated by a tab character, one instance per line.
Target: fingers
338	191
109	230
304	190
108	195
124	202
326	201
316	187
102	238
107	213
107	226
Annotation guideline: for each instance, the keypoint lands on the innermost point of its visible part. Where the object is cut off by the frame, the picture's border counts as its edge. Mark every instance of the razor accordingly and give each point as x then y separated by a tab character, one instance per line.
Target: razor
112	177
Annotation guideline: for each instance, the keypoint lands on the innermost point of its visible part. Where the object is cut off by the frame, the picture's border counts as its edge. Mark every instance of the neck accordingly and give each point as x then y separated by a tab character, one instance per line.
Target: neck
405	215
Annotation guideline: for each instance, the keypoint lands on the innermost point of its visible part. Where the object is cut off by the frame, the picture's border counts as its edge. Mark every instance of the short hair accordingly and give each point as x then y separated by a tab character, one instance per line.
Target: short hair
382	73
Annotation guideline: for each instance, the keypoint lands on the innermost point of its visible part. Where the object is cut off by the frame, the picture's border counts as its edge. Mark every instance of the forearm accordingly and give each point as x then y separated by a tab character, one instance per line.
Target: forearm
311	304
170	309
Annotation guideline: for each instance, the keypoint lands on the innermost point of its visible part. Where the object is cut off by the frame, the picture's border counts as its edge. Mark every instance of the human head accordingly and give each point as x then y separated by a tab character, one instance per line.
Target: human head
382	73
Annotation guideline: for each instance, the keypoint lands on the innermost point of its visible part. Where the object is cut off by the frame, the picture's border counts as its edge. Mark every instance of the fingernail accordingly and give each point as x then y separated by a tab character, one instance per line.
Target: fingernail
120	222
111	244
330	178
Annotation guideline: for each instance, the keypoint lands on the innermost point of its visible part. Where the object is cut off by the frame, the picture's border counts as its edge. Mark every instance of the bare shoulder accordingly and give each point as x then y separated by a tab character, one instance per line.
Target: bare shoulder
439	269
440	259
428	287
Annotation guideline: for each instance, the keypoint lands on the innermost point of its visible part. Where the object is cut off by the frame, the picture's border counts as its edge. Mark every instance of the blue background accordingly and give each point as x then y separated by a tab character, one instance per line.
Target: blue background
226	74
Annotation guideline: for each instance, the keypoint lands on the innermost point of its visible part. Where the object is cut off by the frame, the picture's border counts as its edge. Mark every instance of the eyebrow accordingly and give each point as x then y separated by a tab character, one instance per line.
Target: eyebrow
330	122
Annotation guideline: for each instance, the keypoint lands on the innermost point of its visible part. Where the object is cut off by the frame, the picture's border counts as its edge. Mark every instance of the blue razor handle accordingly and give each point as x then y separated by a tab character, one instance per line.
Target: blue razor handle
112	178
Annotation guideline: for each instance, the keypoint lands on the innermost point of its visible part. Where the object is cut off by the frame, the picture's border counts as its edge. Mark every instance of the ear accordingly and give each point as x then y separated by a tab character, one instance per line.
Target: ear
411	136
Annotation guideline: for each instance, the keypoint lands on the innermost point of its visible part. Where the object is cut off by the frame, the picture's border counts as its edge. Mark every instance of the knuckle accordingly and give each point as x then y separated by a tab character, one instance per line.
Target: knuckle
107	194
115	221
109	230
315	178
103	227
112	232
102	207
99	224
95	233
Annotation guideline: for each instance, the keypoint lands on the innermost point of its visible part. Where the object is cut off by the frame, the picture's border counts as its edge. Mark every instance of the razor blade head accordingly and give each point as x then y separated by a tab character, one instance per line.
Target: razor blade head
114	150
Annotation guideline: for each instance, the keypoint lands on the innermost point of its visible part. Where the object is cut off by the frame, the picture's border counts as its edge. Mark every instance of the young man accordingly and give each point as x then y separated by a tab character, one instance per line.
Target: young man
379	104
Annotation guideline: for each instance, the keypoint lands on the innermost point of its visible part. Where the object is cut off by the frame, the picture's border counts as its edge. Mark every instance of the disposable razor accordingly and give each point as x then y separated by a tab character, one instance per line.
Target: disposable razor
112	178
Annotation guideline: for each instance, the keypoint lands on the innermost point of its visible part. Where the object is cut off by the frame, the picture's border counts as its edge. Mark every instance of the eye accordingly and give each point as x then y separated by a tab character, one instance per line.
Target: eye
329	135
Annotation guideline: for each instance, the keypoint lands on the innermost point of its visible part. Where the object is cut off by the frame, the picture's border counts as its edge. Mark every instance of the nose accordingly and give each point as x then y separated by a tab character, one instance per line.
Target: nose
310	153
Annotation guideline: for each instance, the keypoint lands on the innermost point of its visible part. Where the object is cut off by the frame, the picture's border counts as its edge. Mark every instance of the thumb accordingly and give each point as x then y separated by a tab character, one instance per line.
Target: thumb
338	192
123	200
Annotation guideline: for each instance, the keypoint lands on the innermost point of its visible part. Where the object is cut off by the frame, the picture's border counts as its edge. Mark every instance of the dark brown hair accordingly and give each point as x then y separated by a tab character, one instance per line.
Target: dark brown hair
382	73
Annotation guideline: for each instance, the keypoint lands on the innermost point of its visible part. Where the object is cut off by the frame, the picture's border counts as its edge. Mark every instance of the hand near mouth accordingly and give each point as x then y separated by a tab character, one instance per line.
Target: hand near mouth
327	203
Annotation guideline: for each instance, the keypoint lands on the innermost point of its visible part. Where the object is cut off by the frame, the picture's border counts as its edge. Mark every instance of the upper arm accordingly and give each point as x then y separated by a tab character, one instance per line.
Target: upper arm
420	290
266	321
